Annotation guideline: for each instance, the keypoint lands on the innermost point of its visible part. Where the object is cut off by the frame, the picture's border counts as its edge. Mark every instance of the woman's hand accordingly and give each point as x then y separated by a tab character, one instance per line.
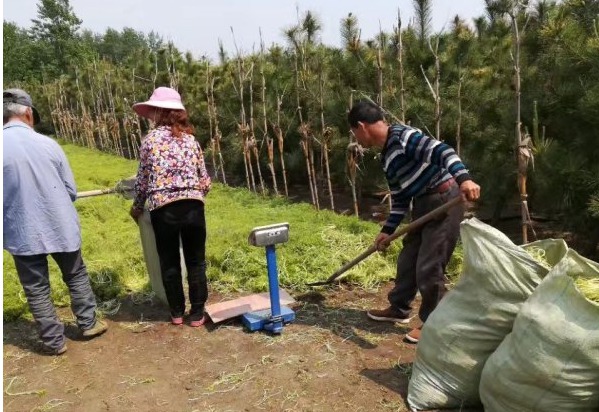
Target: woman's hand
135	213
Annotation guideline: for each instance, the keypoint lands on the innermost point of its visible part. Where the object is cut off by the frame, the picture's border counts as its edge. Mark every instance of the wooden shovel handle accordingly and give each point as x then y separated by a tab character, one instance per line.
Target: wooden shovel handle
412	226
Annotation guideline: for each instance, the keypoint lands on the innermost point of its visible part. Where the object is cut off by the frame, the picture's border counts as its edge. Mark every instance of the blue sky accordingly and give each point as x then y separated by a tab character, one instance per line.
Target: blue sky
196	25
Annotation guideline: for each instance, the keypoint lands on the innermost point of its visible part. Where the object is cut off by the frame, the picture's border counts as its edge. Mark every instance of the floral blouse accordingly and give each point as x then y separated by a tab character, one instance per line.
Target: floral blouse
170	169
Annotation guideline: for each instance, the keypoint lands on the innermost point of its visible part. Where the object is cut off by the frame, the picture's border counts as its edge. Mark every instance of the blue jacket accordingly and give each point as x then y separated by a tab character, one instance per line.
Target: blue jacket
39	190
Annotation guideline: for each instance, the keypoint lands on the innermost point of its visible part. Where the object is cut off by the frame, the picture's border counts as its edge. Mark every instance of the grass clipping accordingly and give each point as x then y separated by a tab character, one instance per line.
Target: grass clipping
589	287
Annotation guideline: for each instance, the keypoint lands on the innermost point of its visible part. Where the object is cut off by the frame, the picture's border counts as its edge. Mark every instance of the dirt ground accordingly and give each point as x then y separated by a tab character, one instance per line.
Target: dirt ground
331	359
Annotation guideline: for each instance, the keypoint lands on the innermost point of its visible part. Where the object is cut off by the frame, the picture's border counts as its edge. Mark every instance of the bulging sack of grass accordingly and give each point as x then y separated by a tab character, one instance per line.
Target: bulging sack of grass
550	361
475	316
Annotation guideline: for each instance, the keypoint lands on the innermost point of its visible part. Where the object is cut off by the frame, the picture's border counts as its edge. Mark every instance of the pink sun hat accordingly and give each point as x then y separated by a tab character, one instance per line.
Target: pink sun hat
162	98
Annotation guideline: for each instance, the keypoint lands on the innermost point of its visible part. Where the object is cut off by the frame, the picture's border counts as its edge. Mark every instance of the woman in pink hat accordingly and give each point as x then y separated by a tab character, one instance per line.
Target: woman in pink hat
172	178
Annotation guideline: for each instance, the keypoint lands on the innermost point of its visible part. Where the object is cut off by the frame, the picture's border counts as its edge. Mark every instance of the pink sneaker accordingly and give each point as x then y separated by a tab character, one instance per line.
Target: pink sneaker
178	321
198	323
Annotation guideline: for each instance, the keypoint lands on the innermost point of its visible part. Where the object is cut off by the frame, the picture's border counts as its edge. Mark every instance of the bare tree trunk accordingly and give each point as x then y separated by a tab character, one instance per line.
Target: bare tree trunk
353	148
458	133
155	69
524	153
303	129
87	128
326	136
437	92
136	137
266	136
252	140
172	73
402	90
281	143
113	123
242	127
305	145
217	134
311	152
210	126
434	88
379	67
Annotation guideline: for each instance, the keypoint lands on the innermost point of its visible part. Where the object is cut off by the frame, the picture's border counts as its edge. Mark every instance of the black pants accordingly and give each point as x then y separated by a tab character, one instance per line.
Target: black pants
425	254
182	219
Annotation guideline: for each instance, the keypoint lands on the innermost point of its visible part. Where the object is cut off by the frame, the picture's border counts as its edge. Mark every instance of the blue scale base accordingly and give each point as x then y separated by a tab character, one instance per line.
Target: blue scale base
261	320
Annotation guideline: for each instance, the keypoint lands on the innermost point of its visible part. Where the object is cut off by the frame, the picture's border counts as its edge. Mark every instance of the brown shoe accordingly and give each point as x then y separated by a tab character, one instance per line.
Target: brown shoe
96	330
413	336
387	315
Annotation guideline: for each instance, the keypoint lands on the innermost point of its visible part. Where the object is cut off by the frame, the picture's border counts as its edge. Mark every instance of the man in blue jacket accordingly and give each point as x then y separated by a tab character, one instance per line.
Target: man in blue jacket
427	173
40	220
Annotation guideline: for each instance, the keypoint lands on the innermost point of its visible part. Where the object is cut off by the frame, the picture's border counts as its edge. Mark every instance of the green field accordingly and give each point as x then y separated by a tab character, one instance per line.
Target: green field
320	242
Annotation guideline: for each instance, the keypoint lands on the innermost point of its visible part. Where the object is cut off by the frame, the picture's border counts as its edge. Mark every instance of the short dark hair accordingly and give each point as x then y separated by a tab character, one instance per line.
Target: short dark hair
364	111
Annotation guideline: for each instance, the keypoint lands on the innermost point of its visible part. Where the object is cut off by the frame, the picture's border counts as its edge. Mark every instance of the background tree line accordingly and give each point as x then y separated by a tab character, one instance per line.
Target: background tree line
275	119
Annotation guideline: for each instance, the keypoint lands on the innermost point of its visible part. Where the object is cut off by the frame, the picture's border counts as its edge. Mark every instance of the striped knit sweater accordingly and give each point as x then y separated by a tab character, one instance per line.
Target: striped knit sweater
414	163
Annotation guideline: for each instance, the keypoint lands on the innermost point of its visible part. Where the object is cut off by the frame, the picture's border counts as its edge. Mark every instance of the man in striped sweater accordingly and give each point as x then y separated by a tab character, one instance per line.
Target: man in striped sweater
429	173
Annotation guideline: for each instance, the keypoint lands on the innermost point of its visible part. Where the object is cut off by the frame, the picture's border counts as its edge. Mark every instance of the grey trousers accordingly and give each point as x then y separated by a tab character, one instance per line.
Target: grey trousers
35	279
421	263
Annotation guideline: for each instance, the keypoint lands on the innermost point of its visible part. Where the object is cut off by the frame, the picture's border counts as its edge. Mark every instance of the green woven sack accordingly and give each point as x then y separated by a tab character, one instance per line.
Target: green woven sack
550	361
474	317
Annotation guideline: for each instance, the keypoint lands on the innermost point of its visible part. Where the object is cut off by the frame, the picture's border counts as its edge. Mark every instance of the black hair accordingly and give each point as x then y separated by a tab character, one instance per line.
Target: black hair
364	111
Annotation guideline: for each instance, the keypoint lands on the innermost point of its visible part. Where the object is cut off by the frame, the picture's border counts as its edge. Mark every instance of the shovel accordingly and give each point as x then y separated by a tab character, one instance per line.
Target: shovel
412	226
123	187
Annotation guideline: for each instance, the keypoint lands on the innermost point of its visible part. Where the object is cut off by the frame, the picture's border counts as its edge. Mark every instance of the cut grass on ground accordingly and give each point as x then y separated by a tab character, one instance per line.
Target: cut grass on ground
319	242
